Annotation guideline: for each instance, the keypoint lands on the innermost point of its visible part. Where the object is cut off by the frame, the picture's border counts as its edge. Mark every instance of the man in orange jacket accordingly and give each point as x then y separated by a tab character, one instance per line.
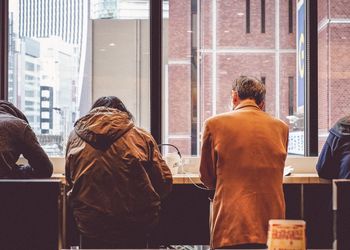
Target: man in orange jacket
243	155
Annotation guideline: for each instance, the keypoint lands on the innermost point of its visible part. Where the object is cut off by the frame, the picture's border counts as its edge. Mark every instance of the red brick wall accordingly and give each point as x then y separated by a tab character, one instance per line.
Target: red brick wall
323	119
179	24
179	100
207	86
287	40
230	66
230	35
206	23
231	27
339	103
322	10
339	8
334	65
287	69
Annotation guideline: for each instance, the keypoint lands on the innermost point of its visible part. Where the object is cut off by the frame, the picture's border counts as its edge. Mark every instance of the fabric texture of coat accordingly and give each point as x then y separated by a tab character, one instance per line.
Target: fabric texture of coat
243	156
16	138
334	159
117	173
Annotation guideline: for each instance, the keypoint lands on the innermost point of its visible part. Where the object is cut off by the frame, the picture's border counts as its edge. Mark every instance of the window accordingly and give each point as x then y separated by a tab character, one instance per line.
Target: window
45	115
29	103
290	16
262	16
45	93
54	79
333	64
291	95
207	44
30	66
29	77
29	93
45	104
247	16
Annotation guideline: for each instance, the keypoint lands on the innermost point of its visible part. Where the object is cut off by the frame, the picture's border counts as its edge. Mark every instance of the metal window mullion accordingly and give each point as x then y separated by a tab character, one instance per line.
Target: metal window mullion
4	49
311	87
156	10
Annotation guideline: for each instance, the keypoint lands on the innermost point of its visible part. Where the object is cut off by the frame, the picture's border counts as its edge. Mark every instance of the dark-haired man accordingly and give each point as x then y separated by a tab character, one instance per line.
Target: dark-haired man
243	155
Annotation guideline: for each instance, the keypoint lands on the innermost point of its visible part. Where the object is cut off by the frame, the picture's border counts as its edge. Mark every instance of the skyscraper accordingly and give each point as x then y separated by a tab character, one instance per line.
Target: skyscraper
45	18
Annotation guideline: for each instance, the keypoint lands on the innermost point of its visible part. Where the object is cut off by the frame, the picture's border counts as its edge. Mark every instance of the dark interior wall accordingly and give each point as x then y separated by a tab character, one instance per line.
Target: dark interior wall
185	215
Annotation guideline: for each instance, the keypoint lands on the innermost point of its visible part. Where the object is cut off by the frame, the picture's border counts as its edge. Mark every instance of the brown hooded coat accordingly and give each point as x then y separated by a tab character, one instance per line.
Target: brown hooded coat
117	173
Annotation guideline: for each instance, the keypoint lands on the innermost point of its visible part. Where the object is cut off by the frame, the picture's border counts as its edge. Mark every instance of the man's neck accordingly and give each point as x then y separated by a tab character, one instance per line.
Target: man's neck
246	102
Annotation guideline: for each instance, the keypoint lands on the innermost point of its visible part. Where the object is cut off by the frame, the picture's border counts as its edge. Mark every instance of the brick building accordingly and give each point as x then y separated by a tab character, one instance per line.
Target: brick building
213	42
333	63
210	43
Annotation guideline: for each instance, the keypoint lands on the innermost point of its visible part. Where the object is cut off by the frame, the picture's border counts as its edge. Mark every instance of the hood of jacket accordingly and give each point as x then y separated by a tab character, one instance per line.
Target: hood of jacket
102	126
342	127
10	109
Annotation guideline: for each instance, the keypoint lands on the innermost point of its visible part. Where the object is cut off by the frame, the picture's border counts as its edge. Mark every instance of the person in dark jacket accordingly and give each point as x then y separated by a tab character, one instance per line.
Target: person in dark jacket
118	177
16	138
334	160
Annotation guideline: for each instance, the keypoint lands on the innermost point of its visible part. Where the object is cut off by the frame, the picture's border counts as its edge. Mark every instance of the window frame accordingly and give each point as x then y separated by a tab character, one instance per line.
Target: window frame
311	86
156	12
4	15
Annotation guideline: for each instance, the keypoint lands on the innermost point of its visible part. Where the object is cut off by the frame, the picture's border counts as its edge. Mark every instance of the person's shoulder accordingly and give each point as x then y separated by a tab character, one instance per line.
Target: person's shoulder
12	121
218	118
142	132
278	122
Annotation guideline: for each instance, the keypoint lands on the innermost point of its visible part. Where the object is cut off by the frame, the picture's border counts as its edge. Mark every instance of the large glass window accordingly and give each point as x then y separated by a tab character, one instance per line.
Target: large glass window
209	43
63	55
333	64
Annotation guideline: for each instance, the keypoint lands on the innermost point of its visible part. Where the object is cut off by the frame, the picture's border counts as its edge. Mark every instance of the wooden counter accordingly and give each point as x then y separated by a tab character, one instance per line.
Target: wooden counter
292	179
194	179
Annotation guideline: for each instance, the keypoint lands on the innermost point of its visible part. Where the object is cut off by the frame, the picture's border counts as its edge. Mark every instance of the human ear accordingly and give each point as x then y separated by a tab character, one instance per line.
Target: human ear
262	105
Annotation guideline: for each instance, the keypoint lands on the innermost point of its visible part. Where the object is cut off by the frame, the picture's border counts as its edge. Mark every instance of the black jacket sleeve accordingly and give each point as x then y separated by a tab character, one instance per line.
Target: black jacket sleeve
39	163
327	166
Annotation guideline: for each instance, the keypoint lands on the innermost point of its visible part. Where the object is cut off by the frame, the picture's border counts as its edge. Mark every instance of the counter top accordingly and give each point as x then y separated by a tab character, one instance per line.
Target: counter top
304	178
292	179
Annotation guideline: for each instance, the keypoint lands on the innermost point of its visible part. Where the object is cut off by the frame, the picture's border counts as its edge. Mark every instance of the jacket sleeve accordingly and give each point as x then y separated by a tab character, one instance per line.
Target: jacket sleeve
158	172
39	162
326	165
207	166
68	162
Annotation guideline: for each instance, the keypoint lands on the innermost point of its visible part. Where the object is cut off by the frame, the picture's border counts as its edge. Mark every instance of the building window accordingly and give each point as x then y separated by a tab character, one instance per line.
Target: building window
54	49
30	66
291	95
247	4
262	16
290	16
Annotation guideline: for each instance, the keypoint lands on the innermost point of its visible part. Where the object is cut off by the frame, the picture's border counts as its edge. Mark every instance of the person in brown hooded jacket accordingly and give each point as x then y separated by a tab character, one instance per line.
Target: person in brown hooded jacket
118	177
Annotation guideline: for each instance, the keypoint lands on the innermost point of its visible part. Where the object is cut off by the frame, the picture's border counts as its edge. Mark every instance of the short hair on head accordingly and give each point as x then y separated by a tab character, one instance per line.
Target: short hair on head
112	102
249	88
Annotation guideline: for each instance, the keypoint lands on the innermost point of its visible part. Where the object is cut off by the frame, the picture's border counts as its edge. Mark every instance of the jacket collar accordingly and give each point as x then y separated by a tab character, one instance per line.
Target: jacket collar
342	127
247	103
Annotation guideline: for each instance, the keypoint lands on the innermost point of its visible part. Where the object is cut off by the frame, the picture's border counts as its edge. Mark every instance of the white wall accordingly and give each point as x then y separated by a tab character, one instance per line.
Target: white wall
121	64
